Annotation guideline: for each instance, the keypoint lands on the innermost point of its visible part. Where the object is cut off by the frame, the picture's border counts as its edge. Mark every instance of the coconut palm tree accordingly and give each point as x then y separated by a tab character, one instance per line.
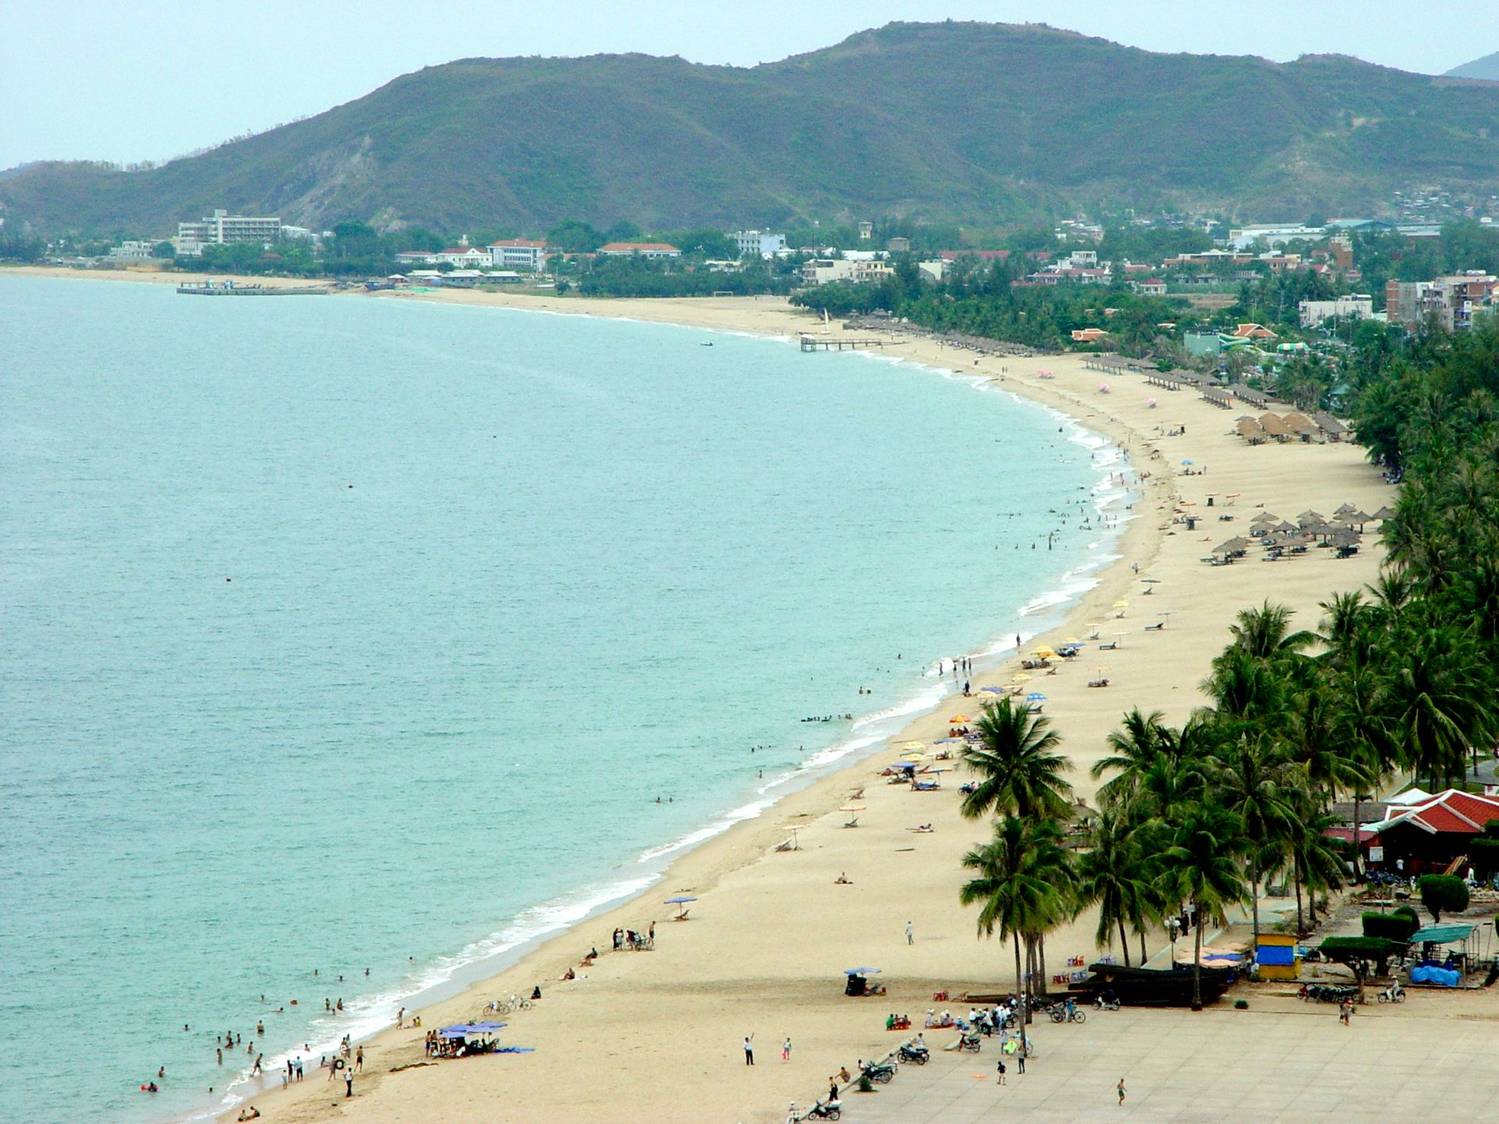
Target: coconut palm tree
1316	859
1265	633
1359	729
1135	744
1254	781
1202	866
1437	703
1310	737
1348	630
1112	875
1006	885
1244	686
1019	771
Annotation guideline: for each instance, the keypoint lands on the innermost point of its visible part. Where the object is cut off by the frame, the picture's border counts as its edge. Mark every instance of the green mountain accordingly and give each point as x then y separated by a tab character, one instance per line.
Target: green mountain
1486	68
973	122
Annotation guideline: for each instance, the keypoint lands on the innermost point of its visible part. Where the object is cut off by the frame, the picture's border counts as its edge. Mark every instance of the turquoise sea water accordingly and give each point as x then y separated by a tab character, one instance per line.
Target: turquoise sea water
344	634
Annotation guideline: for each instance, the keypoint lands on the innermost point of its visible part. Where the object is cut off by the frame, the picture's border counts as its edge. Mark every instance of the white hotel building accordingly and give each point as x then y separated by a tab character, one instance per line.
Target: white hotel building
518	253
222	228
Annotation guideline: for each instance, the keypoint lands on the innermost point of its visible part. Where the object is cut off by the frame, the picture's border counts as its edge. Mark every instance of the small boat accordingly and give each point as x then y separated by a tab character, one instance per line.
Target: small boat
709	344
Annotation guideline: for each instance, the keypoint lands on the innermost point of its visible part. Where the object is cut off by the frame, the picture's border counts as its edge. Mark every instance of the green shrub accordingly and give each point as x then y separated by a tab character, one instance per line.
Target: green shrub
1357	952
1442	893
1407	911
1391	926
1241	1004
865	1085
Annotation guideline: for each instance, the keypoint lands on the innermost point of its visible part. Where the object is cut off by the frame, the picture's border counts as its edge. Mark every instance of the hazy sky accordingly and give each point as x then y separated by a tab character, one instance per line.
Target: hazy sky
131	80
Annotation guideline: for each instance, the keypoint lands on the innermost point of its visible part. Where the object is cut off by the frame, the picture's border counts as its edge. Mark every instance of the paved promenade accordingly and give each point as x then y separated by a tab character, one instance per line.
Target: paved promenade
1432	1057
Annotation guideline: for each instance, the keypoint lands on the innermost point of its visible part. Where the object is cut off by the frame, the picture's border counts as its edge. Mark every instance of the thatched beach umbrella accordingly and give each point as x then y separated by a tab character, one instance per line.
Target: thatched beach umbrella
1309	517
1274	426
1383	513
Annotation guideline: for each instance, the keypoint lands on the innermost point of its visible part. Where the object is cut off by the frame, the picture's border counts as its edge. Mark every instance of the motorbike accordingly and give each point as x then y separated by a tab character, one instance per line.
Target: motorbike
824	1110
879	1072
916	1054
1060	1014
1392	994
1106	1003
971	1043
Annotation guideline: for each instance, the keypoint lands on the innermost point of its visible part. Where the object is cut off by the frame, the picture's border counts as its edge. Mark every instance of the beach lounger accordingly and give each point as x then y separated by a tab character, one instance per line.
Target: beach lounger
1098	682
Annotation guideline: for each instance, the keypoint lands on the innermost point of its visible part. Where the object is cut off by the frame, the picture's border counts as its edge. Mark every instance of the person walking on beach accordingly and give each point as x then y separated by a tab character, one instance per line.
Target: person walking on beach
1020	1062
1000	1069
786	1050
910	934
359	1060
749	1049
348	1083
1120	1088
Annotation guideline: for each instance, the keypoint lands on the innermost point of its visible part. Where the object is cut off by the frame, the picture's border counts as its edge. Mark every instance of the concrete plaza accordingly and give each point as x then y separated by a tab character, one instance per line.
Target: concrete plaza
1431	1057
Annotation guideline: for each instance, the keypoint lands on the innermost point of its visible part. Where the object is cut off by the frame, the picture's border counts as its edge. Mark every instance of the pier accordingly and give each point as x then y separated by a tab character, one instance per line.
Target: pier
231	289
821	343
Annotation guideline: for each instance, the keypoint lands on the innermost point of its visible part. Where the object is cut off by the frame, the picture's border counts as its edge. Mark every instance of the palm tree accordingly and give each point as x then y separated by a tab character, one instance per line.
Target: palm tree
1317	860
1254	783
1006	885
1201	866
1265	633
1135	744
1359	729
1020	772
1244	686
1052	864
1111	874
1437	703
1348	630
1310	736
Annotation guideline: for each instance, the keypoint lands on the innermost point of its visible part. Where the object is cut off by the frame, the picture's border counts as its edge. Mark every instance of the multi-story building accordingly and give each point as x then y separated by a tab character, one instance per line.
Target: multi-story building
518	253
132	251
1451	301
1359	306
758	243
862	269
643	249
463	256
221	228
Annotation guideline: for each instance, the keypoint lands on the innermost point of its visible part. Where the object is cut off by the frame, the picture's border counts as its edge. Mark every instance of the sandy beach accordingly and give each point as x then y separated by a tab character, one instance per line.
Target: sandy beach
657	1035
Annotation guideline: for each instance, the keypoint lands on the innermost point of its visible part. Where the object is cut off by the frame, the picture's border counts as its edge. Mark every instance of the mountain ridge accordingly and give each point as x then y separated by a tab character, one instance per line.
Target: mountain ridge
1486	69
984	123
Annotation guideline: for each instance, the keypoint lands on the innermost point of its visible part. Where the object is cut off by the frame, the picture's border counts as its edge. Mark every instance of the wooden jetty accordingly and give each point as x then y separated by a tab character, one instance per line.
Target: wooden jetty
838	343
231	289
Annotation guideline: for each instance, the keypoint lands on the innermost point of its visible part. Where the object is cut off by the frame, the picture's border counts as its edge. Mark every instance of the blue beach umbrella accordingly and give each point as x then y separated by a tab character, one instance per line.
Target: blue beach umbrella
982	690
680	899
860	971
1035	696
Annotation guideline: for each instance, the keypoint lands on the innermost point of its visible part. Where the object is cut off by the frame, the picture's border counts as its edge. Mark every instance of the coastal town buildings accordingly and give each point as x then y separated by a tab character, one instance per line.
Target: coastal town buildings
1359	306
639	249
758	243
463	256
857	269
518	253
129	251
1451	301
221	229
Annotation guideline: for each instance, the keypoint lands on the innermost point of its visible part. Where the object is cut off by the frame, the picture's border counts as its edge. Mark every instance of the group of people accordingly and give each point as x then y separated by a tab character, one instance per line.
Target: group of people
629	939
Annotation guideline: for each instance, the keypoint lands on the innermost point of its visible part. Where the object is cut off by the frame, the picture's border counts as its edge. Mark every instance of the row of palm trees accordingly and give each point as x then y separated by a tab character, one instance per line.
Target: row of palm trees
1403	679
